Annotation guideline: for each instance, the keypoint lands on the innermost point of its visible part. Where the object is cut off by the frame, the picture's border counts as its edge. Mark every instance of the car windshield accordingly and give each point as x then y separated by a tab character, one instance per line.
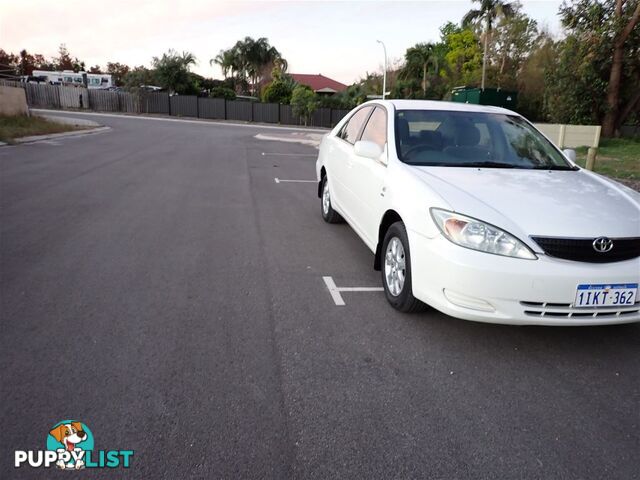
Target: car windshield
473	139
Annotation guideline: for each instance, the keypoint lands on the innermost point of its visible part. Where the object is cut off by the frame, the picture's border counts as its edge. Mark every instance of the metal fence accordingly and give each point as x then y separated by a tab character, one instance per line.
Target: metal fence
62	97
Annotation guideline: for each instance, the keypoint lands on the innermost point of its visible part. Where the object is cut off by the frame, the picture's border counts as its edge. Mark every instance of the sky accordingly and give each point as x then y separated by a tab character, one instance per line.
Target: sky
337	39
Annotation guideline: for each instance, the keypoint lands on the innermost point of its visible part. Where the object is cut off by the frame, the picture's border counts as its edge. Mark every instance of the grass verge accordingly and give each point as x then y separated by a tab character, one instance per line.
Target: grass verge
617	158
16	126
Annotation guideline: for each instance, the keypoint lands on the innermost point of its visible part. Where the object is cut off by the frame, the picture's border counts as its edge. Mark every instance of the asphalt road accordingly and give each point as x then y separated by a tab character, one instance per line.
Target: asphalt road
158	285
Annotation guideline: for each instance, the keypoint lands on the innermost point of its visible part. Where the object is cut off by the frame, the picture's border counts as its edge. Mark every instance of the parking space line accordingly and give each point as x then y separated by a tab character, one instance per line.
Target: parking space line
281	180
361	289
334	290
269	154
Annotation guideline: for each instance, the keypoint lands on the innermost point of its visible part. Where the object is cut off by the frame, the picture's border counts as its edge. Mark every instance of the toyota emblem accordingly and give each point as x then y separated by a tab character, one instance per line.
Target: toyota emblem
602	244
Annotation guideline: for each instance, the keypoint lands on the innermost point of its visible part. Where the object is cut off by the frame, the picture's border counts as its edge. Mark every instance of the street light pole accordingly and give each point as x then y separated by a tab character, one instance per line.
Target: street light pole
384	75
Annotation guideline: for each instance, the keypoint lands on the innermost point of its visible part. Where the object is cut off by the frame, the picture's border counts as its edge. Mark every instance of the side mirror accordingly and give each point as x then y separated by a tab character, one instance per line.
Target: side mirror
367	149
570	153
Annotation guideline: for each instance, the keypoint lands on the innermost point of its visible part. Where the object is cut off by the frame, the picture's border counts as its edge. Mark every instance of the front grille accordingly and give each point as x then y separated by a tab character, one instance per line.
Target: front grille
566	310
581	249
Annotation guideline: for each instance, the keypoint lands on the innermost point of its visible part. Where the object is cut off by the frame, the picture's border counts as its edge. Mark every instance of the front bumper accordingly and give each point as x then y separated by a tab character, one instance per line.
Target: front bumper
479	286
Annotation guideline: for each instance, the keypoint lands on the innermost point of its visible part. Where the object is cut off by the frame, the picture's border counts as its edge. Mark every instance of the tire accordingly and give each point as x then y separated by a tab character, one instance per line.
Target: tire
328	213
396	270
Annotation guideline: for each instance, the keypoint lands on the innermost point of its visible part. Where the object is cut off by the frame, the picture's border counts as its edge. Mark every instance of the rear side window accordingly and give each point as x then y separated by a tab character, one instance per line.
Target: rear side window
353	126
376	129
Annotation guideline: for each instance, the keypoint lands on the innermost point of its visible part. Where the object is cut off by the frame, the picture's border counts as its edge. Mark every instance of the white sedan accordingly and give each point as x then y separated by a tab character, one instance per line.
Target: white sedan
473	211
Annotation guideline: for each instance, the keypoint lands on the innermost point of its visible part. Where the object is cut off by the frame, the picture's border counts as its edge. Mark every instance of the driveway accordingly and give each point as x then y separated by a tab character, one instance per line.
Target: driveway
161	286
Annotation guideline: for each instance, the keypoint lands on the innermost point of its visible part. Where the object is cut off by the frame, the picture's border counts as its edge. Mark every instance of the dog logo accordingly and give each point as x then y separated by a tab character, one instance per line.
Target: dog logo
70	447
72	437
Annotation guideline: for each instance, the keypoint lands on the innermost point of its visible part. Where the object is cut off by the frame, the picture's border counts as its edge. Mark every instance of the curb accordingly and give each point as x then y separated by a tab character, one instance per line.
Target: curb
75	121
303	141
53	136
195	120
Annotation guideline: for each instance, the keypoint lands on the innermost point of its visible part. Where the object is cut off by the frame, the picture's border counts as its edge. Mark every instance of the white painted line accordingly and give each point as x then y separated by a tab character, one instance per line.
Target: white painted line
268	154
333	290
361	289
280	180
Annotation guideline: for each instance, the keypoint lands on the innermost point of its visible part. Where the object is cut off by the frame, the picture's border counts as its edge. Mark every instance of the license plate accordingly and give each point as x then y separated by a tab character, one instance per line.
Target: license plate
606	295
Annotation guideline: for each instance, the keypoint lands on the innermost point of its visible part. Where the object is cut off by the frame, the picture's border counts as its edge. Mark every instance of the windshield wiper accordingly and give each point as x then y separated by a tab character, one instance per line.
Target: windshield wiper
486	164
554	167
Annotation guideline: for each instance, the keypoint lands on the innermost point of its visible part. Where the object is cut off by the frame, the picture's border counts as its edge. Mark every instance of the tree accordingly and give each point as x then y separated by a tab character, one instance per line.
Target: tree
464	58
63	61
279	91
24	63
251	60
418	59
304	102
41	63
27	63
610	27
260	58
117	71
172	72
139	76
575	83
78	65
598	63
227	62
532	76
513	41
488	12
8	63
95	69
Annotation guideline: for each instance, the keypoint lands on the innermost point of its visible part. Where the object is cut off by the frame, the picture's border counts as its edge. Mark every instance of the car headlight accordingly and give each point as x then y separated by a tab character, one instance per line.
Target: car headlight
472	233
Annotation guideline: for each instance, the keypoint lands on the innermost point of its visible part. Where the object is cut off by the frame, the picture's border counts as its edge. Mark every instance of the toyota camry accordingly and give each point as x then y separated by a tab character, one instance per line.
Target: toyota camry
472	211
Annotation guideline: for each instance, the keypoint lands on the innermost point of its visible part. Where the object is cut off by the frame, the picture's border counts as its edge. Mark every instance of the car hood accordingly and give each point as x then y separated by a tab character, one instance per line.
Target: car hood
539	202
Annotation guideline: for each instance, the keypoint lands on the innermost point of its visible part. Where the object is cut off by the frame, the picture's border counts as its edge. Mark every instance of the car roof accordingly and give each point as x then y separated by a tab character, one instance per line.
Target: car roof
441	105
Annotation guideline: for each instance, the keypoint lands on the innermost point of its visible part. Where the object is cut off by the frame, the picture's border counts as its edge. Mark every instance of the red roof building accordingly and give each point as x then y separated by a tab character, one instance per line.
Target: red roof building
319	83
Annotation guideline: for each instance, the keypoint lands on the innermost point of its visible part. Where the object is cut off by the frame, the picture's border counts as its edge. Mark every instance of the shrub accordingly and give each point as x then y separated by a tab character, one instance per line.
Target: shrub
222	92
304	102
277	92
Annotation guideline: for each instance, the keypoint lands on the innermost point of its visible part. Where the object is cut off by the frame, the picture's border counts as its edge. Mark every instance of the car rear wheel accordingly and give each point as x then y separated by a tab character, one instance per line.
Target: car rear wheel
328	213
396	270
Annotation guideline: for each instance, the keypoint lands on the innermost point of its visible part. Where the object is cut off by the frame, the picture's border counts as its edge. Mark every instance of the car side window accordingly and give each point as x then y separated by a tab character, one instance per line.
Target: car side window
376	129
353	126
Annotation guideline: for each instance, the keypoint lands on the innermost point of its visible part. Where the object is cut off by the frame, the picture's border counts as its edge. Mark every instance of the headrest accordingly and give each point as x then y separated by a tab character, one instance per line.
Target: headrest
466	134
403	129
431	138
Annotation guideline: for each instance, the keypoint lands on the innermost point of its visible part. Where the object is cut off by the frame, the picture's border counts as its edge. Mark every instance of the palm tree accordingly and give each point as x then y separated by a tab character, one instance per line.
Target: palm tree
227	62
261	57
258	58
187	59
417	61
488	12
251	60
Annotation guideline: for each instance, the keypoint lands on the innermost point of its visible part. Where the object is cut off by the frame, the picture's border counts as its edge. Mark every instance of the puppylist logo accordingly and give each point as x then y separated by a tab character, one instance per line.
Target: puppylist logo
70	447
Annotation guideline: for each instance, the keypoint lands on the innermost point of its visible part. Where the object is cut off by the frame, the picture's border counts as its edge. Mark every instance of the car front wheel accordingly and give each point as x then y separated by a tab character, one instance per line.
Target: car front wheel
396	270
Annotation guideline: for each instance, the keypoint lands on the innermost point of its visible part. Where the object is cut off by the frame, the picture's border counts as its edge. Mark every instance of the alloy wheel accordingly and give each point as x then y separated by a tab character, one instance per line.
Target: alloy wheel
394	266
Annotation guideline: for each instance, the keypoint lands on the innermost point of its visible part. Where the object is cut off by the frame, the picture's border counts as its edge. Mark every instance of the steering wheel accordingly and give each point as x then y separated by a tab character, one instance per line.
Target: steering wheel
419	148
